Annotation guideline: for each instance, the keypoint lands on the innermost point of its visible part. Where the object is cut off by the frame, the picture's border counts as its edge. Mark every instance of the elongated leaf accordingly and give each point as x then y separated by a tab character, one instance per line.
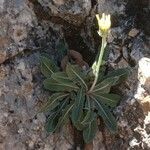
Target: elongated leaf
89	116
75	73
52	120
101	73
65	115
120	73
52	85
105	85
87	103
109	99
60	77
77	110
90	131
48	67
107	116
53	101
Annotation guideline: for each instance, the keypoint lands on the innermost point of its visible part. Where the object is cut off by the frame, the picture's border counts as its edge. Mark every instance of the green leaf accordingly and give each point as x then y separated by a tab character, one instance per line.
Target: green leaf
105	85
101	73
87	103
107	116
90	131
77	110
89	116
65	115
75	73
120	73
60	77
52	85
48	67
109	99
53	101
52	120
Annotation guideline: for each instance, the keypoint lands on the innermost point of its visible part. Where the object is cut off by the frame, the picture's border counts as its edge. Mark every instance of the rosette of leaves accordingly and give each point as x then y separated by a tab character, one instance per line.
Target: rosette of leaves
71	99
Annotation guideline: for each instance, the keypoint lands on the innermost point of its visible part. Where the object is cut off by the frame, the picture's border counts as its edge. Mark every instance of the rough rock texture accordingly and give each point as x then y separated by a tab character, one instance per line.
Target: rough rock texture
72	11
23	38
29	28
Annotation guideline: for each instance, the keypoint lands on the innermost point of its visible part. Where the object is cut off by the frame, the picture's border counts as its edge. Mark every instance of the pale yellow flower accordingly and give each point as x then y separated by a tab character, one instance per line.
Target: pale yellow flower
104	23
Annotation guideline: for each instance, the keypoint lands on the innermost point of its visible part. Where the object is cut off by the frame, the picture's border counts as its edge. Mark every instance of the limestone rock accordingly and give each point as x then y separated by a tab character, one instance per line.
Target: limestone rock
137	49
72	11
144	84
111	6
146	104
144	72
2	56
23	30
22	38
29	28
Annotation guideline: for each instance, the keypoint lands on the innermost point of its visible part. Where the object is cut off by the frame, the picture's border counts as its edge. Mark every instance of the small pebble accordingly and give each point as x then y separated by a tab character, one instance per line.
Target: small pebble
133	32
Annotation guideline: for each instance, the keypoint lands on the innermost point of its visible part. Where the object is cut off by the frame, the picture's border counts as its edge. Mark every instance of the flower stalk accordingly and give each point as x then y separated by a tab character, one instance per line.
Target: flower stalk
104	25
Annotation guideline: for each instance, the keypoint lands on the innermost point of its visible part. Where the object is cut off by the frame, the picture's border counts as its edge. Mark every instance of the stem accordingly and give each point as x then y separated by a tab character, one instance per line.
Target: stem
104	43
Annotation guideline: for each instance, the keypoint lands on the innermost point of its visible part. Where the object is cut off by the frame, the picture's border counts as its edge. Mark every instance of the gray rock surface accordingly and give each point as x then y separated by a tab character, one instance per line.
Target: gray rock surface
29	28
23	38
72	11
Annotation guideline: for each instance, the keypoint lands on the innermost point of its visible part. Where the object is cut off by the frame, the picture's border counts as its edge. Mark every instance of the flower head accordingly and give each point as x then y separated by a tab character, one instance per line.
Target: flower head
104	23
